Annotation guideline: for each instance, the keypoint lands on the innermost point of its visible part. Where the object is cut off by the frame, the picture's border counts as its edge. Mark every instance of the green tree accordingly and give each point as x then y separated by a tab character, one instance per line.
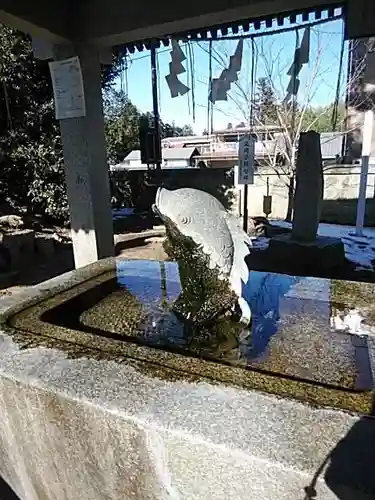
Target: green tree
186	130
265	106
122	135
324	118
173	130
121	125
31	174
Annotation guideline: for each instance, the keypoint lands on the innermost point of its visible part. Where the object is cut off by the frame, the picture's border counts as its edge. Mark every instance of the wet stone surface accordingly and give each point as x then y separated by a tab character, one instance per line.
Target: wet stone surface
291	333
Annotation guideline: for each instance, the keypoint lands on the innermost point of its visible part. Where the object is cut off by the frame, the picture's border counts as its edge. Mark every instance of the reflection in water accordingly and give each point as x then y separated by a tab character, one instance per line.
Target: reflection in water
290	332
153	280
264	292
157	286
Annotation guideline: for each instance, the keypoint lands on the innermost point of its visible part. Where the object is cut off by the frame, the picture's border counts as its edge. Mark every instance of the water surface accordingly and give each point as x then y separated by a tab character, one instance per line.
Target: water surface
292	333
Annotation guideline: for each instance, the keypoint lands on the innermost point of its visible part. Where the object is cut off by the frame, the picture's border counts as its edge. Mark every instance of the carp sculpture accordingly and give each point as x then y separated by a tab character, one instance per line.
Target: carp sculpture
210	248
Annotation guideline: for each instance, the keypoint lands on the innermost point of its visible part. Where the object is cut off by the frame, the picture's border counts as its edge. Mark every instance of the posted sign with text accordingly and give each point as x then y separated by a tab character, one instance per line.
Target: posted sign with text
246	155
68	89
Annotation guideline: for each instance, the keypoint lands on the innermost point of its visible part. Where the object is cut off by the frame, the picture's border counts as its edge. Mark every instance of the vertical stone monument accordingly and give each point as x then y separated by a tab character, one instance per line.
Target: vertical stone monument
309	188
303	251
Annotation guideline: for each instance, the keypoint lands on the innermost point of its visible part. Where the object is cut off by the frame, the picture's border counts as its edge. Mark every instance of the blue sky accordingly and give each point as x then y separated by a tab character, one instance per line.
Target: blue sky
275	54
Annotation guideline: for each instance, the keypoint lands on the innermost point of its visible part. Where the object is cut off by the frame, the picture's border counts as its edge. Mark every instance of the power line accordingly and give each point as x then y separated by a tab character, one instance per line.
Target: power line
337	96
209	103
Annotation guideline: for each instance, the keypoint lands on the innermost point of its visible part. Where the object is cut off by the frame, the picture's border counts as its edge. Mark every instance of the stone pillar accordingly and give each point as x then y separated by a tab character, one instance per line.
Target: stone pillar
86	166
309	188
360	94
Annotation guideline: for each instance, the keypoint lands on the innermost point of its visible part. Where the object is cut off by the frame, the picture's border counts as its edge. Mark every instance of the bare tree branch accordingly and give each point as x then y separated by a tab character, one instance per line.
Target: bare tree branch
273	57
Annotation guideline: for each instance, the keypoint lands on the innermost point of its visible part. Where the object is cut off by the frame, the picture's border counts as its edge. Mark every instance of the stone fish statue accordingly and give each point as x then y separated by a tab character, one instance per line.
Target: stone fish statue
210	248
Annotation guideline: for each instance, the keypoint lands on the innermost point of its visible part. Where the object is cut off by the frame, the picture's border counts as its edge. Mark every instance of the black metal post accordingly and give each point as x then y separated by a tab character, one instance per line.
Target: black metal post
345	143
155	103
245	216
163	284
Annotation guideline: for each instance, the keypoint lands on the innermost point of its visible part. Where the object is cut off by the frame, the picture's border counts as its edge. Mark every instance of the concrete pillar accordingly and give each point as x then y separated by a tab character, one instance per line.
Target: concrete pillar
86	166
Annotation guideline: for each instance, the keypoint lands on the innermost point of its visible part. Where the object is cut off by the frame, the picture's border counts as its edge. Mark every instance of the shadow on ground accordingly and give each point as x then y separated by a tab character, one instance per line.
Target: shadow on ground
348	470
135	223
342	211
264	260
39	272
6	492
138	244
351	464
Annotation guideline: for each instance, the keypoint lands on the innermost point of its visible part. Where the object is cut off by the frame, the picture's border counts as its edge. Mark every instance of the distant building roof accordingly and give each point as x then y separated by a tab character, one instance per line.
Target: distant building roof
228	131
245	130
179	153
133	160
167	154
134	155
182	138
330	144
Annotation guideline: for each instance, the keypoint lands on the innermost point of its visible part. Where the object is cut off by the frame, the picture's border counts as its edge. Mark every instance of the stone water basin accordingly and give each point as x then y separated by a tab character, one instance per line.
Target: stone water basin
296	345
104	393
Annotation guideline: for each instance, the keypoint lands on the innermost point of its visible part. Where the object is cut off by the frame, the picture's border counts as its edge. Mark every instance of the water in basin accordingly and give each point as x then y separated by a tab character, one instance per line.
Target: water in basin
292	332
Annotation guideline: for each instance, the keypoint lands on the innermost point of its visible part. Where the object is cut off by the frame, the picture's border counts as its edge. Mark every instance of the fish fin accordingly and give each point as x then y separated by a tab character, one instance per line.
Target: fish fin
241	246
245	310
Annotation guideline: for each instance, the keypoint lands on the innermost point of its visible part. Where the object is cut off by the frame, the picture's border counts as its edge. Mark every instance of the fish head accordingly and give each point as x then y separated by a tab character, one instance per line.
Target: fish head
195	215
175	209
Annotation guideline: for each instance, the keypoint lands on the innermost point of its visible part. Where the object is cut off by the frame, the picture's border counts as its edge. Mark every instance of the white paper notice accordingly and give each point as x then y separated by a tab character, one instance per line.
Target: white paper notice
68	90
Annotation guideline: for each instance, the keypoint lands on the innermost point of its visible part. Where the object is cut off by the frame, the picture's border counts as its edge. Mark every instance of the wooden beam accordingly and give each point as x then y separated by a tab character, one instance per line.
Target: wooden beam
113	23
43	20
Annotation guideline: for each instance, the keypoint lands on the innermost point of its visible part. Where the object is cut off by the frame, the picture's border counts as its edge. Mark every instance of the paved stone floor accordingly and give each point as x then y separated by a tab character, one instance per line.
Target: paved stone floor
144	245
